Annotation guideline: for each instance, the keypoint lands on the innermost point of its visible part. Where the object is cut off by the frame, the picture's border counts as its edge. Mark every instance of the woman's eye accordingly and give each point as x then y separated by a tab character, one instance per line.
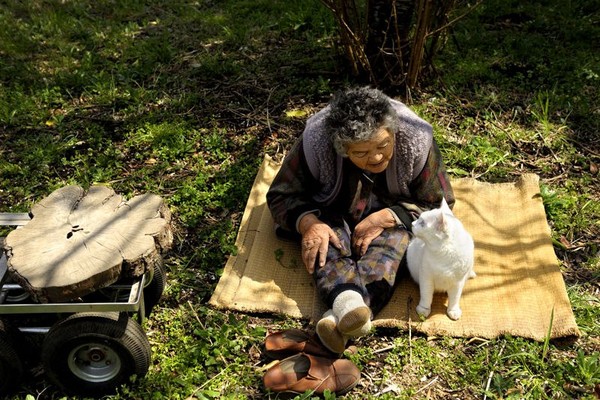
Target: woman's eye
360	154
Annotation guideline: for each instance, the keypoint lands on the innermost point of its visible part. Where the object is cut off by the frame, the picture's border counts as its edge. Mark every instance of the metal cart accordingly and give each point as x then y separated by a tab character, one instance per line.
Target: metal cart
89	346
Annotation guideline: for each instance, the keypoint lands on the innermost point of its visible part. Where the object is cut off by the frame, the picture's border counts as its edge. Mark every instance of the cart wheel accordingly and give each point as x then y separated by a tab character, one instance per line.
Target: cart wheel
11	365
154	290
91	354
18	295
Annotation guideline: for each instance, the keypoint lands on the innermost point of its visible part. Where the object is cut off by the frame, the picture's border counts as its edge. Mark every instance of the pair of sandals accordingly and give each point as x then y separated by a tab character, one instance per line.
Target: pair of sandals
306	365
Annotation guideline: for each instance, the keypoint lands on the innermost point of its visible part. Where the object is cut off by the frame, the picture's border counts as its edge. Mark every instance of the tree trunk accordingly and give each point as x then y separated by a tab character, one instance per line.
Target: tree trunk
399	40
388	45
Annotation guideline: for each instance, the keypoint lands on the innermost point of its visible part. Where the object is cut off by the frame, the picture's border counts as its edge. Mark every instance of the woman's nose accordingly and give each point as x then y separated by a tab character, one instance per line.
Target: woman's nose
377	157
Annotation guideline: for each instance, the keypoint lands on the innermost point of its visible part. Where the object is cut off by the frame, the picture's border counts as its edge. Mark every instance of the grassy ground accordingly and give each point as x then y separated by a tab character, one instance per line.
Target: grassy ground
184	98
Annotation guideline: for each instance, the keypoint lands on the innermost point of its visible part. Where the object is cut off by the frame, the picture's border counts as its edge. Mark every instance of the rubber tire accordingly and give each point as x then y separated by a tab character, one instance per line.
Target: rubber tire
11	364
115	338
153	291
21	296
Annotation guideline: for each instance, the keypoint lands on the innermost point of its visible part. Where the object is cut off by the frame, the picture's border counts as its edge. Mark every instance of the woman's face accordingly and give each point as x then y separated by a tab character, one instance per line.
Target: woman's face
373	155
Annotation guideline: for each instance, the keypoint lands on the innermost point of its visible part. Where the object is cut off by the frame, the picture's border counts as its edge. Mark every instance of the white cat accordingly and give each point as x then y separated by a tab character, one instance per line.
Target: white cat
440	258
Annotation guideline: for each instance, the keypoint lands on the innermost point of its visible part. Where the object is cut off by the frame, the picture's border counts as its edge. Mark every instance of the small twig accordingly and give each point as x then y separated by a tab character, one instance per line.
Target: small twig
408	307
434	380
199	388
548	336
196	315
42	392
365	374
450	23
268	366
575	388
384	349
390	388
268	116
481	341
477	176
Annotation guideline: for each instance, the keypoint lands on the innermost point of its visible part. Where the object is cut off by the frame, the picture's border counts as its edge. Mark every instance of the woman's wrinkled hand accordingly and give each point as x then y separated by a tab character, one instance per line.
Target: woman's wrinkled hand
369	228
316	236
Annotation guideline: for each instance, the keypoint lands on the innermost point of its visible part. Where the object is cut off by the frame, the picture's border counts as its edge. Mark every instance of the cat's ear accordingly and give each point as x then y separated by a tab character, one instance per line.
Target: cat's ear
444	206
442	222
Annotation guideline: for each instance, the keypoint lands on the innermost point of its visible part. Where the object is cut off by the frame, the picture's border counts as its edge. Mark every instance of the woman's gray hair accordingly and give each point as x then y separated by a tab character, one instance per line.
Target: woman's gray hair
356	115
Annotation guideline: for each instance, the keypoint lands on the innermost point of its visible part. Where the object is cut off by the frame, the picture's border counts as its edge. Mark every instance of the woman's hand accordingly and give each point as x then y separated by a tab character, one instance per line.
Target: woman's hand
369	228
316	236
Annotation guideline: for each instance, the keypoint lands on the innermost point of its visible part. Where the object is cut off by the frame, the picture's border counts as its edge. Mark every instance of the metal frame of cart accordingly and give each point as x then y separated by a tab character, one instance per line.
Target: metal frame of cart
91	348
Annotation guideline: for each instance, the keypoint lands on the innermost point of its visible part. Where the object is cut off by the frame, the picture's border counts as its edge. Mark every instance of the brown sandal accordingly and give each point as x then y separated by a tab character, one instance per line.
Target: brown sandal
285	343
302	372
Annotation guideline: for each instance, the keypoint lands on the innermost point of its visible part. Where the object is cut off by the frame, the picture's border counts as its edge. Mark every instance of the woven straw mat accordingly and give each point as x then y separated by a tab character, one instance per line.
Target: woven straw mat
519	289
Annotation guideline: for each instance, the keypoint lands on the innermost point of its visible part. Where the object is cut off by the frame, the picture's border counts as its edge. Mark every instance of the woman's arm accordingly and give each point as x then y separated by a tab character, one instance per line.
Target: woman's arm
290	195
290	201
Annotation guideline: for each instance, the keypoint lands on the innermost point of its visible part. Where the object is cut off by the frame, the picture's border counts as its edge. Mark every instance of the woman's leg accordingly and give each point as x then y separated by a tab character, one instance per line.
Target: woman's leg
379	266
341	288
340	272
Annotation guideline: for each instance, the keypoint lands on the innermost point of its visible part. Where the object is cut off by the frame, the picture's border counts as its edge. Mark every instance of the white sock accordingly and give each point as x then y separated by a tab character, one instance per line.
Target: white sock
354	316
347	301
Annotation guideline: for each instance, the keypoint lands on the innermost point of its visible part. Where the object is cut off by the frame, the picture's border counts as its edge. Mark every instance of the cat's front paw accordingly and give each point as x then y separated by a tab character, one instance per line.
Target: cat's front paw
423	311
454	313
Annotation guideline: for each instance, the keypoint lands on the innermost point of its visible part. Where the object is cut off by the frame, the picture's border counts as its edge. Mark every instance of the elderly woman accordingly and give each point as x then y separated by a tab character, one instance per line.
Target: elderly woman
364	168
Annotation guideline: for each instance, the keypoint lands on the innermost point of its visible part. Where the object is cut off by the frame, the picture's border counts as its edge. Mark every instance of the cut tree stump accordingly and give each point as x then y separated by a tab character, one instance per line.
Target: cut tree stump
78	242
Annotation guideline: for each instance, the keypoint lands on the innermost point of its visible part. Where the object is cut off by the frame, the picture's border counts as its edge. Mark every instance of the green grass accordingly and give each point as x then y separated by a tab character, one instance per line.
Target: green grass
184	98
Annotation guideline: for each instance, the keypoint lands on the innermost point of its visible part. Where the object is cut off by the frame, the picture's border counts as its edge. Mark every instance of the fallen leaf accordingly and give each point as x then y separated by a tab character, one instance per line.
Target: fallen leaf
295	113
